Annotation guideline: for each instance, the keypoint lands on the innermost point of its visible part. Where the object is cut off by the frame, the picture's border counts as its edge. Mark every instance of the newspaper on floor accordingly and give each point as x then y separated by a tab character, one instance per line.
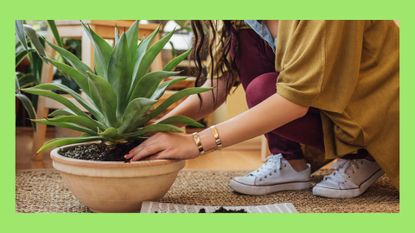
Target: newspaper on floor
159	207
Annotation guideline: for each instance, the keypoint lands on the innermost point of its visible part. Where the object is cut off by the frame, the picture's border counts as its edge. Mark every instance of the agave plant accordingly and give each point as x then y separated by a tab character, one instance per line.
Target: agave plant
121	91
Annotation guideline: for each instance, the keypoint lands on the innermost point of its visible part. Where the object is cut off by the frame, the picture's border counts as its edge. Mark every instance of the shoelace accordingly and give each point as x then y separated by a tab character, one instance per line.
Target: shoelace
273	164
342	169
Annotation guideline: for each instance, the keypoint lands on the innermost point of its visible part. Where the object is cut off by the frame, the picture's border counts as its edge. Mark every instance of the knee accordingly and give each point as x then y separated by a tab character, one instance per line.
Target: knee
260	88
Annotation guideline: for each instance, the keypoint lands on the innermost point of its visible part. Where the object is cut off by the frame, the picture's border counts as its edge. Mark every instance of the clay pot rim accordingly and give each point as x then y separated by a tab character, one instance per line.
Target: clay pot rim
106	164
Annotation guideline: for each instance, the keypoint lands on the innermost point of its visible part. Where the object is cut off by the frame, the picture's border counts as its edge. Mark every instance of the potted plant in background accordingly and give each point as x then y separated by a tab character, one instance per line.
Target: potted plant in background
28	66
29	44
121	102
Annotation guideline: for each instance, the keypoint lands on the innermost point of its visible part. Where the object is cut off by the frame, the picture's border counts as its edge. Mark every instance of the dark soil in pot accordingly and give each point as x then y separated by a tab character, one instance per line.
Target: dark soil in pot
99	151
223	210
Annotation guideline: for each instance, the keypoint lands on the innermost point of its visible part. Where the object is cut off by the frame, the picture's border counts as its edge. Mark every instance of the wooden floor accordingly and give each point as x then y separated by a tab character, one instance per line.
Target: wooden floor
244	156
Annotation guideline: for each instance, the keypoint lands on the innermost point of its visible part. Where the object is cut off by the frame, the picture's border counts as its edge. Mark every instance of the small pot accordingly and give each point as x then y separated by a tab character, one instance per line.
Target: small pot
116	186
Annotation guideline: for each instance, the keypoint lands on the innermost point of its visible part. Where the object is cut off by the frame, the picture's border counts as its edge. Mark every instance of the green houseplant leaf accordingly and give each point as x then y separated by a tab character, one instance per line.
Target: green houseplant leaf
34	39
149	83
151	54
144	62
21	54
25	80
175	61
132	42
133	115
79	120
154	128
21	33
89	107
27	104
181	120
118	72
67	125
61	112
56	97
104	97
102	51
161	89
71	58
174	98
141	50
80	79
55	33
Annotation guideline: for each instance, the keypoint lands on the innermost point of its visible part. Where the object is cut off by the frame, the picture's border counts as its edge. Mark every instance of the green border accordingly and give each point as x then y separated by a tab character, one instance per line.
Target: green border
210	9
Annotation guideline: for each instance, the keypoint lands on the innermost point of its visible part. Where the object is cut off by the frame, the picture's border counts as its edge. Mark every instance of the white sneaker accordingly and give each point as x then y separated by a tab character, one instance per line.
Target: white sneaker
349	179
275	175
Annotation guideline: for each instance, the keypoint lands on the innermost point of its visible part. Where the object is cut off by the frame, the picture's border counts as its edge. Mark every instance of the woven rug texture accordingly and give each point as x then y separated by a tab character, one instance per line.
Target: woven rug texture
42	190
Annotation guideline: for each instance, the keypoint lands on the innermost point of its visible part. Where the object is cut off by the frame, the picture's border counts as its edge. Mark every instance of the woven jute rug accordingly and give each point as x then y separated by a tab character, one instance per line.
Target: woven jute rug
43	191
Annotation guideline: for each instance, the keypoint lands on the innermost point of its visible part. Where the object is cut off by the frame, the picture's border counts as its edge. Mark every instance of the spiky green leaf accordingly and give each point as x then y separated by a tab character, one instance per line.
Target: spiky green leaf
176	97
102	51
133	115
104	97
20	32
154	128
149	83
162	87
116	35
66	125
55	33
61	112
109	133
118	73
151	54
26	80
56	97
72	73
28	106
132	36
181	120
21	54
141	50
175	61
132	53
88	106
34	39
79	120
71	58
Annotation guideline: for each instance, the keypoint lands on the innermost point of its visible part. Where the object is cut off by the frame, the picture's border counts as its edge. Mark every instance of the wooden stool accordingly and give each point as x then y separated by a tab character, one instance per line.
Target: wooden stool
74	29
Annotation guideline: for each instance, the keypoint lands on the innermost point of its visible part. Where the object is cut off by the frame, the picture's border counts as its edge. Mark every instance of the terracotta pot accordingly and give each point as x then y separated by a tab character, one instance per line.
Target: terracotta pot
116	186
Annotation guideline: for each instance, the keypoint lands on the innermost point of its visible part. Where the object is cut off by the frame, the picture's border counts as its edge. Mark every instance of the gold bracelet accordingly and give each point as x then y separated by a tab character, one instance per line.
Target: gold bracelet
198	142
216	136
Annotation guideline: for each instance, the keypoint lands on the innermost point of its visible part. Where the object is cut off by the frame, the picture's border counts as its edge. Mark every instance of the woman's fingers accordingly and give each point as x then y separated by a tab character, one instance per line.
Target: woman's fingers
140	147
145	152
160	155
164	146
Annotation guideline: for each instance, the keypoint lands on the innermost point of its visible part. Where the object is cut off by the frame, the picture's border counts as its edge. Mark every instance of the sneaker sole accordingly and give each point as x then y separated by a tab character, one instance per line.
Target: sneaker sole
347	193
267	189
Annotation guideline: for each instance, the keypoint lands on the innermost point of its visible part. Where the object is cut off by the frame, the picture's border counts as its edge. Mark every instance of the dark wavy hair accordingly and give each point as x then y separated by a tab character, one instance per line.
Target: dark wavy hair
205	33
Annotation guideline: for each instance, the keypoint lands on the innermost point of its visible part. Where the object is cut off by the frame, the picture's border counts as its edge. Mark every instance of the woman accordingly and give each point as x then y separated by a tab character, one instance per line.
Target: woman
332	85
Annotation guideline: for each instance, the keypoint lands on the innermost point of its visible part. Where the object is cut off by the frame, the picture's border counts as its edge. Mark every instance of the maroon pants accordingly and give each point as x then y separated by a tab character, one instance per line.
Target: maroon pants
255	62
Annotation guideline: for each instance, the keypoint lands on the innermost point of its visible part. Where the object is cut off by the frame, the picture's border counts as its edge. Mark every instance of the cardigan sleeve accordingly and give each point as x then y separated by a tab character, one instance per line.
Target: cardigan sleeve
319	62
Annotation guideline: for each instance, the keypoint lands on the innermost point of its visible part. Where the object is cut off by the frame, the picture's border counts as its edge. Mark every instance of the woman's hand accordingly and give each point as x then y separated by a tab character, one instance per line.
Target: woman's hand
165	146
